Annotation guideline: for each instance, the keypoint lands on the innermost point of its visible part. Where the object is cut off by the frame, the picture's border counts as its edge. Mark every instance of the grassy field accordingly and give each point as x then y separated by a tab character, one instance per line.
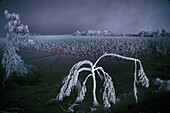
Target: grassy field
32	93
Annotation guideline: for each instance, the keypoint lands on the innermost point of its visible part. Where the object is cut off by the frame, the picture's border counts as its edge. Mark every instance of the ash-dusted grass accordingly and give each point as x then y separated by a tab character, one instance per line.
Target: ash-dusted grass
32	98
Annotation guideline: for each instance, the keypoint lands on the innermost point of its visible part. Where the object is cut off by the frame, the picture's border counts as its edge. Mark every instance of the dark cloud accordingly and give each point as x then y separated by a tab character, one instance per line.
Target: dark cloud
66	16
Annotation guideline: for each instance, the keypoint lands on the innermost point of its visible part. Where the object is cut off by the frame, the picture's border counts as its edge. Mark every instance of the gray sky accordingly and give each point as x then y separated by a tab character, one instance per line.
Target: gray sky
66	16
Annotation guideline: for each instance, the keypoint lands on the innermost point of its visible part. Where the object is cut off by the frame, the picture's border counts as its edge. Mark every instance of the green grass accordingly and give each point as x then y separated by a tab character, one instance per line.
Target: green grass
32	97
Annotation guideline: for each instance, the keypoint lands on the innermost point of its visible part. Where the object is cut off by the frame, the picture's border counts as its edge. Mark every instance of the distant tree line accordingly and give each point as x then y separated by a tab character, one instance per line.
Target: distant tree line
142	33
93	33
157	33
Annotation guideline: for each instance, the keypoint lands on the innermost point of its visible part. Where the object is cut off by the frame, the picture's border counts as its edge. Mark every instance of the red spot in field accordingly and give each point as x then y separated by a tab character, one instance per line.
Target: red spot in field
59	52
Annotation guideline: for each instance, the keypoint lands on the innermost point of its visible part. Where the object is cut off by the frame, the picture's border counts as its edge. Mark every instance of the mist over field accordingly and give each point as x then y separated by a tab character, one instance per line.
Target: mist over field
65	16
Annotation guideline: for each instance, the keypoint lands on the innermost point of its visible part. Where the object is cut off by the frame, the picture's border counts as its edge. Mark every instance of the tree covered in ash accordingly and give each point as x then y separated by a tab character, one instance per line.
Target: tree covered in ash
109	93
16	33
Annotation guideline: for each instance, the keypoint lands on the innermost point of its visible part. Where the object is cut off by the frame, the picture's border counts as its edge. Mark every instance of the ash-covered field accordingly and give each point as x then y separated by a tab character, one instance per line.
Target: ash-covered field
31	93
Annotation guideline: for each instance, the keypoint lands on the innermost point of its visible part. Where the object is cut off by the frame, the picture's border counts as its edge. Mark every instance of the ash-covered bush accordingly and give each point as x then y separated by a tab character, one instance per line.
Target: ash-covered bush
71	82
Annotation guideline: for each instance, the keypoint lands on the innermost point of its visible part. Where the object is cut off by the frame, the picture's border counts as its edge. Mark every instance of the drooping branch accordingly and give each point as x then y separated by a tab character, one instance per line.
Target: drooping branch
109	91
109	95
113	55
81	94
72	79
135	82
142	76
68	83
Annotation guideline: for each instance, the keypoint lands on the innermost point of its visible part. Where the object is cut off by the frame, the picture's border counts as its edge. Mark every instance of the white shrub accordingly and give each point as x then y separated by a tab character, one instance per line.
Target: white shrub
109	95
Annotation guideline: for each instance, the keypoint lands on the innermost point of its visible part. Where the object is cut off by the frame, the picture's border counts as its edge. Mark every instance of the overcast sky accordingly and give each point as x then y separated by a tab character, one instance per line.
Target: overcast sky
66	16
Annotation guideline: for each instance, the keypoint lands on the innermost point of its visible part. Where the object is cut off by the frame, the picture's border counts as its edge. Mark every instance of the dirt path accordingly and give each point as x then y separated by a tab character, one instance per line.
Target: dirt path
42	58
